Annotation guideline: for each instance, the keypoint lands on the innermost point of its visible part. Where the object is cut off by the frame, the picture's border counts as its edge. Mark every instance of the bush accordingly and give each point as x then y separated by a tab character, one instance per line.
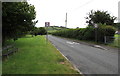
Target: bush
105	31
87	33
39	31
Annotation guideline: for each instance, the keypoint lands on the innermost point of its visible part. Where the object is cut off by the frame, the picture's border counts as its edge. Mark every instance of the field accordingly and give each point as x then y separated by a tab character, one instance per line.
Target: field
36	56
54	28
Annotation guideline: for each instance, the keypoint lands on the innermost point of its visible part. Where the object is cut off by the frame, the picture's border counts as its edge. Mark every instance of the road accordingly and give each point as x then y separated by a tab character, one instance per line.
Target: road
88	59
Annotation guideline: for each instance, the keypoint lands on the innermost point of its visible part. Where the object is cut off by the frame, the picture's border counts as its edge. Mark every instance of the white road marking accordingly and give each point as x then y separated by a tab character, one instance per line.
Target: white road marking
71	42
98	46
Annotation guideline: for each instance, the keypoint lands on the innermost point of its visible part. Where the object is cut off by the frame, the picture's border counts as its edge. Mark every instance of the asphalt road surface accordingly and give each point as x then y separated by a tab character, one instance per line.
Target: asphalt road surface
88	59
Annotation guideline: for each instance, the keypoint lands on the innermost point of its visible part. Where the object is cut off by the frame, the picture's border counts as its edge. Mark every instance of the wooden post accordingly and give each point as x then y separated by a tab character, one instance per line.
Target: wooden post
105	41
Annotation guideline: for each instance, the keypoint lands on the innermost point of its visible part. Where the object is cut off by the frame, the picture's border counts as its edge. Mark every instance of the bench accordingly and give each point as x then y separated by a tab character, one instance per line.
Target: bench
8	50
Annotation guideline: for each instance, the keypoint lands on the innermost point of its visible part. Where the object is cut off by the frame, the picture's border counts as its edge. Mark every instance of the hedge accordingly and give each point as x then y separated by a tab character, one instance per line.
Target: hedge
87	33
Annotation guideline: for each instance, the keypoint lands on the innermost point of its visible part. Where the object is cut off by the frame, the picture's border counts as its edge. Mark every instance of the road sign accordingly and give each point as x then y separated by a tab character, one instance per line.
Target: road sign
47	24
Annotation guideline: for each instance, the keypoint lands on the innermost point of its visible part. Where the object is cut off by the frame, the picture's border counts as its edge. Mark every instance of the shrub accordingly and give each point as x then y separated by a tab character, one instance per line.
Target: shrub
87	33
105	31
39	31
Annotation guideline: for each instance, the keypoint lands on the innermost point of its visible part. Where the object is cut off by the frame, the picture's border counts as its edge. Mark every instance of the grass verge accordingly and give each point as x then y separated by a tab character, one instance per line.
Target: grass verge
35	56
116	42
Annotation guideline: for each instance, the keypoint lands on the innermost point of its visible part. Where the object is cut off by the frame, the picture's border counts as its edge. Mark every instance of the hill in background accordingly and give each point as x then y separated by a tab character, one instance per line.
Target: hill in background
51	29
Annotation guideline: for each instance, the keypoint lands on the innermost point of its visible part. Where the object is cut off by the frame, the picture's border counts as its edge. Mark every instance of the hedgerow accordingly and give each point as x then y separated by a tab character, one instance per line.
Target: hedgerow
87	33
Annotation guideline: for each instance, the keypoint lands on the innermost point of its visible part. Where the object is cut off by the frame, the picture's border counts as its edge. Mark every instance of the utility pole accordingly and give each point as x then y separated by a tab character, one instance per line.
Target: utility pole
66	21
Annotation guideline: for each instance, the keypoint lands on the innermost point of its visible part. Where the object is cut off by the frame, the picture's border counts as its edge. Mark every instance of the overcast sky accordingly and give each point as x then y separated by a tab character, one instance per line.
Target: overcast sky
54	11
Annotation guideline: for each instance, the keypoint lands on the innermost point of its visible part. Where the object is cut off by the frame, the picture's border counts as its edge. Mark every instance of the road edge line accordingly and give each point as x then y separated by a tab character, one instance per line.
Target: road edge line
69	61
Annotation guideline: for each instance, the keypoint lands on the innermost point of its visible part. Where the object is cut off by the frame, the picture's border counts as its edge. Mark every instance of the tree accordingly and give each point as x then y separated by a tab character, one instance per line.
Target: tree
17	19
98	16
117	26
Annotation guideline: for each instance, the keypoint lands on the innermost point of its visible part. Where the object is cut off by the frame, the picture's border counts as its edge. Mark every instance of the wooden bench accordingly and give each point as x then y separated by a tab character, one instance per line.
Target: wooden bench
8	50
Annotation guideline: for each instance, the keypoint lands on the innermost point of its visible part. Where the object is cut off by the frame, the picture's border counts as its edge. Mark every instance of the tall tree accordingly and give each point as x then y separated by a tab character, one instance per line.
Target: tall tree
17	19
98	16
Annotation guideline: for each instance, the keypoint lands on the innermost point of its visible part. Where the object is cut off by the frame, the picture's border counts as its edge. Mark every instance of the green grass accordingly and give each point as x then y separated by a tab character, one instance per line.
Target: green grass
52	29
35	56
116	42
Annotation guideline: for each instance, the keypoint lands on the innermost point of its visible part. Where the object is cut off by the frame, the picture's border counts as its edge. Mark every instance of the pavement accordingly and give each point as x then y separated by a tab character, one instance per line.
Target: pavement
88	58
